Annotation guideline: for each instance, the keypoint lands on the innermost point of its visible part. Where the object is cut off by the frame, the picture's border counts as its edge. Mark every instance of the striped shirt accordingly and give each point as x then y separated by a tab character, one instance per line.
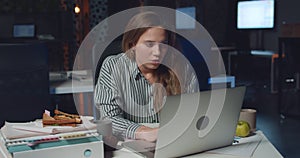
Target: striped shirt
123	95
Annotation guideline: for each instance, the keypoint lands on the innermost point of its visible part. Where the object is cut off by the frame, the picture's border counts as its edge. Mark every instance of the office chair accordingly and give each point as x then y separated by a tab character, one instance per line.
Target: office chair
24	82
112	49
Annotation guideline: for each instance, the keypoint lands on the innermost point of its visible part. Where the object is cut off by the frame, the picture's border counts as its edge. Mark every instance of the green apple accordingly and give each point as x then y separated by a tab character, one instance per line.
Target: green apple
242	129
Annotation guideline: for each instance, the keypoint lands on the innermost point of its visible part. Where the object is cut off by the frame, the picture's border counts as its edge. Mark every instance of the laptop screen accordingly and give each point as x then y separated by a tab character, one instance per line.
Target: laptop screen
24	30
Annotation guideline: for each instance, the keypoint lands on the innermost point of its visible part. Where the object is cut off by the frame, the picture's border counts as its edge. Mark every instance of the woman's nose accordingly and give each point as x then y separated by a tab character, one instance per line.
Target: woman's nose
156	50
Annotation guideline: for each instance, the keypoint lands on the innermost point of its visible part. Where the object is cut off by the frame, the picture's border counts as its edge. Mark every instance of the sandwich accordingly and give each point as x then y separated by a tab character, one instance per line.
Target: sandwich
61	119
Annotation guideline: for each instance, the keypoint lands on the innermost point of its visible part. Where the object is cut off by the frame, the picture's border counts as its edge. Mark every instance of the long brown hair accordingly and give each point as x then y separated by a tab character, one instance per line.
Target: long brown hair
139	24
135	28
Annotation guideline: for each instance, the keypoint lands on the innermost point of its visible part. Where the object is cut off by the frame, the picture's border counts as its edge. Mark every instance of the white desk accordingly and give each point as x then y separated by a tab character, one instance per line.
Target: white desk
73	85
264	150
79	83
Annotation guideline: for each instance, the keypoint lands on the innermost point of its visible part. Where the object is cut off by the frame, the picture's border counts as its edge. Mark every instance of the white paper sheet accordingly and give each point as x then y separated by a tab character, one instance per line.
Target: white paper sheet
245	148
30	129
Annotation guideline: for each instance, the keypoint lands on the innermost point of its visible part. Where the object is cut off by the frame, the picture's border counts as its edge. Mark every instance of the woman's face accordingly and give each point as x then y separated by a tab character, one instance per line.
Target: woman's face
151	48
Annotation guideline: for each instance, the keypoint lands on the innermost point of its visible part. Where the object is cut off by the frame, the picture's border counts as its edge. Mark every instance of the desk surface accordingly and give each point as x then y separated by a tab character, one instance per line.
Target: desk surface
264	149
74	84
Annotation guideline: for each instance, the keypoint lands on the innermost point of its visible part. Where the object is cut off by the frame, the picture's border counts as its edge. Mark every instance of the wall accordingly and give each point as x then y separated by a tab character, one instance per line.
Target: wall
287	11
220	16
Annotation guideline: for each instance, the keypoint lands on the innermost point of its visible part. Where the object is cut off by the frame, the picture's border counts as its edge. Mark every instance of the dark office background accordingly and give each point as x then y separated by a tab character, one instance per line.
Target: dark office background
217	16
273	100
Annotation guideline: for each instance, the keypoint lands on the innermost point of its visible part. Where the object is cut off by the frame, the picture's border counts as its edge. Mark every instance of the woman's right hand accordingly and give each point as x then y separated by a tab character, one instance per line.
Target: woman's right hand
146	133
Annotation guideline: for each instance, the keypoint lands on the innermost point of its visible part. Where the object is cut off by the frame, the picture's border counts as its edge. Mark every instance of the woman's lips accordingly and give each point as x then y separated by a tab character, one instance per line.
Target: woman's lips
155	61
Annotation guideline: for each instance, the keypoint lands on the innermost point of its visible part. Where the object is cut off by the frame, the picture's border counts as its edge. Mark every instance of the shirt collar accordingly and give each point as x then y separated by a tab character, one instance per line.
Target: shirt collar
133	68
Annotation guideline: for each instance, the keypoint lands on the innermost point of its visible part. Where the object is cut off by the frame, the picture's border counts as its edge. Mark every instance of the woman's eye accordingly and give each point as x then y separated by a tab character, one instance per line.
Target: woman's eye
149	44
165	42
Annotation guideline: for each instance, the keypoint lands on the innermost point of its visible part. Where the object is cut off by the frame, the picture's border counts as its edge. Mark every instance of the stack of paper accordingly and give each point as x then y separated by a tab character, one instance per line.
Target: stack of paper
30	129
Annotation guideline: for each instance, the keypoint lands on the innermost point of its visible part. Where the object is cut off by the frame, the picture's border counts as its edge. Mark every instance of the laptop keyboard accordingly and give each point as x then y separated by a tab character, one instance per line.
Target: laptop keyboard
141	147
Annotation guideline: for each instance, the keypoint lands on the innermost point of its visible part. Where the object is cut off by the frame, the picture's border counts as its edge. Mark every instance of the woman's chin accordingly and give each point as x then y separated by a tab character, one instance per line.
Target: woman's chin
152	66
155	65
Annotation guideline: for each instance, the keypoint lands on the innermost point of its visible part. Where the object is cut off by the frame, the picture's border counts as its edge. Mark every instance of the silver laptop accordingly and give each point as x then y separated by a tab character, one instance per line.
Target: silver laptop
193	123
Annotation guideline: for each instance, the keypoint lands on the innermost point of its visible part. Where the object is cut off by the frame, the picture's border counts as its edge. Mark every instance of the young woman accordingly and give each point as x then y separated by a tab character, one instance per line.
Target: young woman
132	85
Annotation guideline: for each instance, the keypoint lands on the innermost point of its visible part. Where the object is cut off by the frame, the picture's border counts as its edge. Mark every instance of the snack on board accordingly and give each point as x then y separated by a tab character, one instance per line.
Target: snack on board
61	119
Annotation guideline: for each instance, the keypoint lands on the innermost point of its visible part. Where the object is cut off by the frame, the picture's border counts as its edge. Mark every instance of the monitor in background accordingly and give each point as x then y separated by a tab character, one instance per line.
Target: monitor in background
258	14
182	22
24	30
